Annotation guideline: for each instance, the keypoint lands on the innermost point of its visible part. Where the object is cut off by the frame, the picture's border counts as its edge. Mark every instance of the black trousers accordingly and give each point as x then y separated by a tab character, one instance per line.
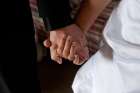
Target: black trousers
3	86
18	71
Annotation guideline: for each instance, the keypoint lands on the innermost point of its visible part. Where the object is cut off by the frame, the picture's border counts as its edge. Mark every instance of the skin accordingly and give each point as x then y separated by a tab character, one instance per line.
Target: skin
62	39
60	48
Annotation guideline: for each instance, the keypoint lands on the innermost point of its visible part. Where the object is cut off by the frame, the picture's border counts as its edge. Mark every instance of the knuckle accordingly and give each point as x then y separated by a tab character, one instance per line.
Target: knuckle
65	55
54	46
63	35
60	48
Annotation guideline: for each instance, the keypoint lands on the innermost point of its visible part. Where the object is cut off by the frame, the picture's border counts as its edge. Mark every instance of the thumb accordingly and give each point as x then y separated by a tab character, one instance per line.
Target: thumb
47	43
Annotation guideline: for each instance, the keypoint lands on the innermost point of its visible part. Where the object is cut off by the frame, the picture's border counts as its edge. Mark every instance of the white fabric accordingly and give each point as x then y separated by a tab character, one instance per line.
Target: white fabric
115	68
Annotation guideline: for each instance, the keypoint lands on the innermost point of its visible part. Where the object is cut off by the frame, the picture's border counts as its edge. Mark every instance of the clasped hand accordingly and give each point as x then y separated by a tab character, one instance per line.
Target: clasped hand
69	43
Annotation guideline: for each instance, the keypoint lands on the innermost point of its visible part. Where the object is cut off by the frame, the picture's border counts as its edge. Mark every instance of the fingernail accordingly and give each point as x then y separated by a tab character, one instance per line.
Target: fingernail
81	62
60	60
76	59
58	52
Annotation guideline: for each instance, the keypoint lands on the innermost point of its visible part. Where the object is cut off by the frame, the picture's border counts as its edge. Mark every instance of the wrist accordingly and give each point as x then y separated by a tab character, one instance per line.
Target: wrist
80	28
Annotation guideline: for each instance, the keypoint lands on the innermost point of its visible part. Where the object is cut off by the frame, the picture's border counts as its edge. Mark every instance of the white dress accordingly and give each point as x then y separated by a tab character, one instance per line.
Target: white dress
115	68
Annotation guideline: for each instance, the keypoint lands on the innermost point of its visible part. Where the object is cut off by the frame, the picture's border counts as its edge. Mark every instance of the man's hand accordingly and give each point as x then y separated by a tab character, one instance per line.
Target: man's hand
60	48
77	53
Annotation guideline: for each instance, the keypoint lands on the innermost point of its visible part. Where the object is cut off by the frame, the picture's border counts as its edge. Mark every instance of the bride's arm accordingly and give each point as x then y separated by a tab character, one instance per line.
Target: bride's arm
89	11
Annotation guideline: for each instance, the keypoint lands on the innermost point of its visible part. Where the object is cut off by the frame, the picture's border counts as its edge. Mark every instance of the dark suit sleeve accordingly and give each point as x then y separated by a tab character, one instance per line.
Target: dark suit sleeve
56	13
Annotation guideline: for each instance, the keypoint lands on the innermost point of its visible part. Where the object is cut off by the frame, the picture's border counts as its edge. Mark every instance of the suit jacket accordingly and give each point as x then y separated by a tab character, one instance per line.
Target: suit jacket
55	13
